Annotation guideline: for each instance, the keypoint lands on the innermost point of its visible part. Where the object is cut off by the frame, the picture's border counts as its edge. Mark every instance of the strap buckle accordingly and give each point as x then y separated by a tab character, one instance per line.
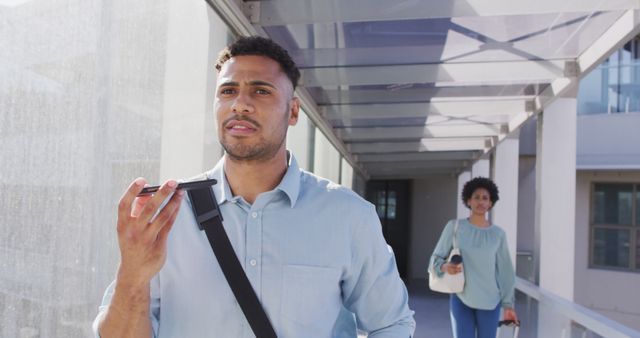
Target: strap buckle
204	206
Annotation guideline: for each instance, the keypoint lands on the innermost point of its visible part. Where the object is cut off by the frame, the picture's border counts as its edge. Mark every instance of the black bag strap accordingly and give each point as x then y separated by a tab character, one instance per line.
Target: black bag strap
208	215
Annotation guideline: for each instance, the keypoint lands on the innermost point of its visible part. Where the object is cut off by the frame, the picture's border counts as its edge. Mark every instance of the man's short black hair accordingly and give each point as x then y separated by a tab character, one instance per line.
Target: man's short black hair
257	45
477	183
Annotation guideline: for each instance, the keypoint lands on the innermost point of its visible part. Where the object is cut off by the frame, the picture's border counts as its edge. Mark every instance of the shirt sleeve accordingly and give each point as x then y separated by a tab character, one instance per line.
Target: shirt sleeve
154	307
505	274
372	288
442	250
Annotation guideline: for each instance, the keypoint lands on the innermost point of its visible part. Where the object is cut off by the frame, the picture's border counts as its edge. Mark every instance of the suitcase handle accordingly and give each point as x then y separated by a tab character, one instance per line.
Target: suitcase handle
509	323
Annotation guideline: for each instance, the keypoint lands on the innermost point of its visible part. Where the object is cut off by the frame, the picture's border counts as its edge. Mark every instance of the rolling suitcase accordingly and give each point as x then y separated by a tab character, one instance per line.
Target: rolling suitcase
510	324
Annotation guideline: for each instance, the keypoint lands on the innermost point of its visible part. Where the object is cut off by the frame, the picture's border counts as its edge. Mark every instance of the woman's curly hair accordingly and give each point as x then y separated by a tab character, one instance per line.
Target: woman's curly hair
480	183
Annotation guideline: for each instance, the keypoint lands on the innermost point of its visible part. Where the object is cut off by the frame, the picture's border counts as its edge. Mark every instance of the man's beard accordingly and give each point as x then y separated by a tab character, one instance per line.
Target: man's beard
263	150
260	151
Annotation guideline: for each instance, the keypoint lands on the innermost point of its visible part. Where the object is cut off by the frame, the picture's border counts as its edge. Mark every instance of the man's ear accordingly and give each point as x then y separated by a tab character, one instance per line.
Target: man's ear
294	110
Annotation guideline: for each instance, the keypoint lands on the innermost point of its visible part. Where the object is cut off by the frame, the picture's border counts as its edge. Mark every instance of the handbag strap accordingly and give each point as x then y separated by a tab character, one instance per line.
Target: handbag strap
455	243
209	218
455	235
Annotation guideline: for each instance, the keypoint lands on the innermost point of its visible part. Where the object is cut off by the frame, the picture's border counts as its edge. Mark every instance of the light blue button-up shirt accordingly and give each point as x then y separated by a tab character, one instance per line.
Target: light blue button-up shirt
310	249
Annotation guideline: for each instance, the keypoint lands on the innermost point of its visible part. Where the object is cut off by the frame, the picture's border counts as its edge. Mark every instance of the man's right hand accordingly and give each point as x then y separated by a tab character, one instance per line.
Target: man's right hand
142	235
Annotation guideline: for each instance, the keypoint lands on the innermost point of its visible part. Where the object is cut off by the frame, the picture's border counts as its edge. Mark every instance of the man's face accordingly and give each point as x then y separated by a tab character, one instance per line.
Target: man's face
254	106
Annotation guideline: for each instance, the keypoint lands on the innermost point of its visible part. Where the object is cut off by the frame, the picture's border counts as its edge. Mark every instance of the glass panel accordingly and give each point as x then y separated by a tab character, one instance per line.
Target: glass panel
611	247
637	231
547	319
637	209
416	93
612	203
83	90
593	92
419	41
614	86
391	205
381	203
637	249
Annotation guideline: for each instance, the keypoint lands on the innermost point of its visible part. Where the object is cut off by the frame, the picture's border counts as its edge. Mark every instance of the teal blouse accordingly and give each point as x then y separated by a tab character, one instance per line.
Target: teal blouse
488	270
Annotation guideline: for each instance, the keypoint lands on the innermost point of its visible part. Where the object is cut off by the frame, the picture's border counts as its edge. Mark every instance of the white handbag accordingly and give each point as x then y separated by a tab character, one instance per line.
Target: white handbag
448	283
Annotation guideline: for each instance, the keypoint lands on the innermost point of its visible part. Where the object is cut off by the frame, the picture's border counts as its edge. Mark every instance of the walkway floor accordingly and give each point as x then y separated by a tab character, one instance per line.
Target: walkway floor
432	313
432	310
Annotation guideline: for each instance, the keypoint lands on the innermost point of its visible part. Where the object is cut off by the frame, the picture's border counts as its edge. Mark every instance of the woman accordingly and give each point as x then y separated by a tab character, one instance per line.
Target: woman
486	264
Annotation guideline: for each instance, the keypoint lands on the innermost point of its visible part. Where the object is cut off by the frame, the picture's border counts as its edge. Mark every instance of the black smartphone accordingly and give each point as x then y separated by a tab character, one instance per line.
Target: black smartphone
455	259
183	185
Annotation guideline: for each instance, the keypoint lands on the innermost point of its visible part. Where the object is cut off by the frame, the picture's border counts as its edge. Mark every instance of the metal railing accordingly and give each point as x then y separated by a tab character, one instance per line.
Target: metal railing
545	314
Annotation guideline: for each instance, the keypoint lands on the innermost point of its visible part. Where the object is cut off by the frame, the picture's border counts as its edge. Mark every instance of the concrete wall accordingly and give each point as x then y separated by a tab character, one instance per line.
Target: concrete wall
612	293
298	140
526	203
434	202
526	217
326	158
346	174
528	137
95	94
189	135
608	141
526	200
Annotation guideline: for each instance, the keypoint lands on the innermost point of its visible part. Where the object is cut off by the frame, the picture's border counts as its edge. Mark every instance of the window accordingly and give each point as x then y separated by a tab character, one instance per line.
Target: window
386	205
391	205
381	203
615	226
614	85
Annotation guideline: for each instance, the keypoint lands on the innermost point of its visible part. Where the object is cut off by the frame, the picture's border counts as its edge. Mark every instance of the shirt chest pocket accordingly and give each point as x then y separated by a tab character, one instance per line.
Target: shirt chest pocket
311	300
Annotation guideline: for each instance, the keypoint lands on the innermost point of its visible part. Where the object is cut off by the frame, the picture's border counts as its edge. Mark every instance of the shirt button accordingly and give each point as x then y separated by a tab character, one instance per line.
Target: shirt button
254	214
253	262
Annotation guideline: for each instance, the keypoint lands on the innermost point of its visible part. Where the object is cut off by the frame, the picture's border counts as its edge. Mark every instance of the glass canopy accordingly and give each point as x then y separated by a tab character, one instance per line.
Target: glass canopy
410	78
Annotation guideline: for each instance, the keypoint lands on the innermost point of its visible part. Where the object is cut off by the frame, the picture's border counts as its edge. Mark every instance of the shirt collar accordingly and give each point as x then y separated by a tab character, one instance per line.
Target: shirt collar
290	183
221	190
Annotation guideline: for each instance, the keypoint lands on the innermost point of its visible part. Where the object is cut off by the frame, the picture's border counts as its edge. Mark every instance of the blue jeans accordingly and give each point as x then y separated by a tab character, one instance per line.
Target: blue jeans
468	322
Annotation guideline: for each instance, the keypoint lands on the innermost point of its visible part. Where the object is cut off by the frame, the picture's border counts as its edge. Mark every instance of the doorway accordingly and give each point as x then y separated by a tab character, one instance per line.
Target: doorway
391	198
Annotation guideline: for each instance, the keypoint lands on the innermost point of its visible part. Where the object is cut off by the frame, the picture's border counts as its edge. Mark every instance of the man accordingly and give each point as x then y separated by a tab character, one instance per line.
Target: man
309	247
